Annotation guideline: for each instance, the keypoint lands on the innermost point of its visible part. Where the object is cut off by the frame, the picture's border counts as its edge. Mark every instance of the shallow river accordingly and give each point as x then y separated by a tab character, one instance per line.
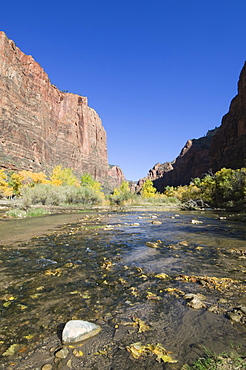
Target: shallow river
98	267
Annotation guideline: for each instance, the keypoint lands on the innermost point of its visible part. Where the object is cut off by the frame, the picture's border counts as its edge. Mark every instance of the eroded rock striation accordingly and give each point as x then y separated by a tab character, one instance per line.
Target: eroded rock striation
115	176
193	161
228	147
40	126
222	147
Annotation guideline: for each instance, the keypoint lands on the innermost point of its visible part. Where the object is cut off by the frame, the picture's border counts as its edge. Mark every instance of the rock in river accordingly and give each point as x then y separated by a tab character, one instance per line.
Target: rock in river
78	330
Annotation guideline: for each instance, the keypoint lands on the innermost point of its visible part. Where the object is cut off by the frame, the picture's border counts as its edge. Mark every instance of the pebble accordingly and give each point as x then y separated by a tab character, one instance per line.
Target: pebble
192	295
77	353
62	353
156	222
183	243
222	301
195	300
243	309
196	222
78	330
46	367
235	316
135	224
152	245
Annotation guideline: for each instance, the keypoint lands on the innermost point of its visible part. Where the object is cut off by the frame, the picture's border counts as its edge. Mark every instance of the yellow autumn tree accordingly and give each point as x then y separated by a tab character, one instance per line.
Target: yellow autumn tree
148	190
63	176
5	189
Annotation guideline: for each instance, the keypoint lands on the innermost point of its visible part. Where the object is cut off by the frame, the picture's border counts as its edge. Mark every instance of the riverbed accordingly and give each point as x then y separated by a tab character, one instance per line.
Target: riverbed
130	273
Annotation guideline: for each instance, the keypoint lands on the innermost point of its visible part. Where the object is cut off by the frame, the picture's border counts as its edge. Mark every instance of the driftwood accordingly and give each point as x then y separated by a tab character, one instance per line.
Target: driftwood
192	204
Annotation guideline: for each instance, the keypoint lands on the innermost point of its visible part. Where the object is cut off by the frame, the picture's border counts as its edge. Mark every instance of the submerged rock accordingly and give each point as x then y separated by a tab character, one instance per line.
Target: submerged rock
195	301
62	353
78	330
152	244
196	222
46	367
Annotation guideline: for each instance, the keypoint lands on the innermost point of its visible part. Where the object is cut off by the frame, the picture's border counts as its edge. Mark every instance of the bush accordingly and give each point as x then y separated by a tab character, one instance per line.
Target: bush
58	195
82	195
121	195
43	194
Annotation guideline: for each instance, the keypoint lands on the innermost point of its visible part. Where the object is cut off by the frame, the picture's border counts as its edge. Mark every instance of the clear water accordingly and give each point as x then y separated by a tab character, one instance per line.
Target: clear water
87	268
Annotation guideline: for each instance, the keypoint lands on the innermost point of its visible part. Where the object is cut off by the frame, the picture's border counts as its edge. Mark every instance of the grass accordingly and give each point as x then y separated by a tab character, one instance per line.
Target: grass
224	361
20	213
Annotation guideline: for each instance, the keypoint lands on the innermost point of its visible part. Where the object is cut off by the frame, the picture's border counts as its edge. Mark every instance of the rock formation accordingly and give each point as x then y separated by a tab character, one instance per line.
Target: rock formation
193	161
222	147
116	176
41	126
228	147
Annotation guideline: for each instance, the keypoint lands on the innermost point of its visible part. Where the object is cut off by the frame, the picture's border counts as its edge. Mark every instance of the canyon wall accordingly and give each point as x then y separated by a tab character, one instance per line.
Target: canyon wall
222	147
193	161
228	147
40	126
115	176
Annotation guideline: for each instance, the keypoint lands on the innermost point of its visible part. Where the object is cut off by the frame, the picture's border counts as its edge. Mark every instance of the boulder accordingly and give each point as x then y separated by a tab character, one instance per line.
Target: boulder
79	330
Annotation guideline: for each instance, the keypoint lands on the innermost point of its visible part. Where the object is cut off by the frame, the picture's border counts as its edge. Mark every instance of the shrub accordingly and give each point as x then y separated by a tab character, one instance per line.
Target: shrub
43	194
54	195
121	194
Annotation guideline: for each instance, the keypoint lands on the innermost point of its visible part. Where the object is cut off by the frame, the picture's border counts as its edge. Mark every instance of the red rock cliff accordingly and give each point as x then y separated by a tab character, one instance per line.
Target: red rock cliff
116	176
193	161
42	126
222	147
228	147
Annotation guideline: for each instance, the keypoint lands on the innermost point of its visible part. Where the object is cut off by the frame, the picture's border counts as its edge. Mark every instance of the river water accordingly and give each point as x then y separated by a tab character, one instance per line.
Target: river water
101	267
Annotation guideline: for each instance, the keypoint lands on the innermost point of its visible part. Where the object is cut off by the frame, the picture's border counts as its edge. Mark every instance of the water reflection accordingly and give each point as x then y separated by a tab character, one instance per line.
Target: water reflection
98	267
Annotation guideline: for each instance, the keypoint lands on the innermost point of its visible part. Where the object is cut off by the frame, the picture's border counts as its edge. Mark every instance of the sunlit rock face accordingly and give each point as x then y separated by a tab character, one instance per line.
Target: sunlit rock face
193	161
116	176
222	147
228	147
40	126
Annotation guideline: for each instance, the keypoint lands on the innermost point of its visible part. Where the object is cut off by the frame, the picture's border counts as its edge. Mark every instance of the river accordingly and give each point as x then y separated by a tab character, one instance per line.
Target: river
105	267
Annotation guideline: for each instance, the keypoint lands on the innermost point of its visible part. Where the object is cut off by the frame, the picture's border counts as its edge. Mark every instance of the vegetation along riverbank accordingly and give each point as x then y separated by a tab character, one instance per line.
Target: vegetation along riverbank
162	276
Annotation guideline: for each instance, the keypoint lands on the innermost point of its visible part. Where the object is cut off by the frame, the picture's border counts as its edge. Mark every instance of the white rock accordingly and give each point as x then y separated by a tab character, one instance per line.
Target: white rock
196	222
156	222
78	330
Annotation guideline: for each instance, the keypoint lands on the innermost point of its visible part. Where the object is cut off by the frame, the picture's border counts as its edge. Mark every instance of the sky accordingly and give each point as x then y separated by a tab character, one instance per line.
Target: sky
158	72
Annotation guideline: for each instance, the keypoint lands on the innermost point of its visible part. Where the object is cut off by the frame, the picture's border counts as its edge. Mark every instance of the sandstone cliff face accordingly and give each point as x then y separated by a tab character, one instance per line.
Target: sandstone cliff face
41	126
116	176
193	161
228	147
222	147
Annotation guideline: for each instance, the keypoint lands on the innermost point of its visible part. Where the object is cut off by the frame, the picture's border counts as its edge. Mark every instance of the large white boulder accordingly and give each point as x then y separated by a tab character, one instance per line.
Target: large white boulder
79	330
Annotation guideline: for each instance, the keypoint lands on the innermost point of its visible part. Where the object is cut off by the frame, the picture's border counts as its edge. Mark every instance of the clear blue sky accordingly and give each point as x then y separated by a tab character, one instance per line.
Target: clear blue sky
158	72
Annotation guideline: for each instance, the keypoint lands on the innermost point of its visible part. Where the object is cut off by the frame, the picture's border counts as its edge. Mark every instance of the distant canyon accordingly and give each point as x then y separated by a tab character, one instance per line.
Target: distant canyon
42	127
